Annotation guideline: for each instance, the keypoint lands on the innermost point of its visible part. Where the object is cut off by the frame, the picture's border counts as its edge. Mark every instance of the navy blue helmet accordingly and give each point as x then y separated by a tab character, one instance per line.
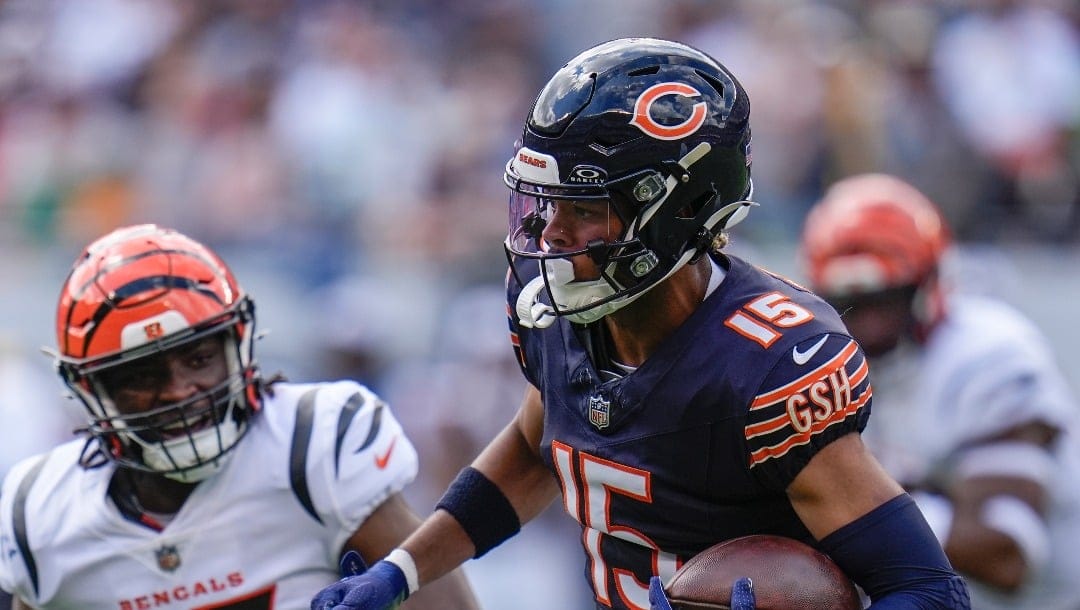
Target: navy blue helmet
656	128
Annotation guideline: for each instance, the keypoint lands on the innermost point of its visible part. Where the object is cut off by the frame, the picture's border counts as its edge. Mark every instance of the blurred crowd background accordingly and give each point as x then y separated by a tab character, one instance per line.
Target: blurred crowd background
346	156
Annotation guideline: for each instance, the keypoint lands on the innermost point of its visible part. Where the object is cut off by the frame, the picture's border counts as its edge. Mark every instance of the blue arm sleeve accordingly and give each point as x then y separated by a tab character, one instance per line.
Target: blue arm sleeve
893	555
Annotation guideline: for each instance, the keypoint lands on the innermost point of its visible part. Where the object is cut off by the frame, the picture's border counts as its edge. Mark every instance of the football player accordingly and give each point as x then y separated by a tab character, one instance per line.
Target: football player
971	412
200	483
679	396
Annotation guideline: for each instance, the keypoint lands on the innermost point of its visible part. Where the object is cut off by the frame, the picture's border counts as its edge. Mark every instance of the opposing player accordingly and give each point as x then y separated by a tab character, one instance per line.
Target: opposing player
201	484
679	396
971	413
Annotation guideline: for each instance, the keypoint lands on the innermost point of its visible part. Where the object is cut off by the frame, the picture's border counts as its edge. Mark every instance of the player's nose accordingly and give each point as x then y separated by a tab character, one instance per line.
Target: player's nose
178	384
558	234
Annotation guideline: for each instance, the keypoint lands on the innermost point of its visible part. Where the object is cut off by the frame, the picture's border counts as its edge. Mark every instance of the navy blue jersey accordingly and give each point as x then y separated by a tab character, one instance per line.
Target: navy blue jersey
698	444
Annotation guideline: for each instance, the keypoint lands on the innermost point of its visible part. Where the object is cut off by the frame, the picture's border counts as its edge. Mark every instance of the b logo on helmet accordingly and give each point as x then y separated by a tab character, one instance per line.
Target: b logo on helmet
154	330
643	112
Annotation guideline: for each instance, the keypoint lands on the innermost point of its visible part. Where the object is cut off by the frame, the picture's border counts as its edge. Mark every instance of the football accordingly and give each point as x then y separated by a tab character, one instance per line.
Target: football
787	575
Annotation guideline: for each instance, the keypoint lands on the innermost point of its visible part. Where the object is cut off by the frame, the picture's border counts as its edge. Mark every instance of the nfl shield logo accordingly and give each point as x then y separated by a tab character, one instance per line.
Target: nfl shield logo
168	558
599	412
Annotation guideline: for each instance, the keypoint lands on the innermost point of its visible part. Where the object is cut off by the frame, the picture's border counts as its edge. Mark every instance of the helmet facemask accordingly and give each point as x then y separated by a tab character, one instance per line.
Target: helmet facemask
187	440
631	260
532	208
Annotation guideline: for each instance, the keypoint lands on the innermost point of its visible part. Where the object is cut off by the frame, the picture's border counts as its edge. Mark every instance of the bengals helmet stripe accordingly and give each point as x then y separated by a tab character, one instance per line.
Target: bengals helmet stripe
135	288
872	232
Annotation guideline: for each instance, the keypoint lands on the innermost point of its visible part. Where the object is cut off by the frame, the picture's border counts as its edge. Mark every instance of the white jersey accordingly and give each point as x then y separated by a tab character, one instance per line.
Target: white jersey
263	533
984	370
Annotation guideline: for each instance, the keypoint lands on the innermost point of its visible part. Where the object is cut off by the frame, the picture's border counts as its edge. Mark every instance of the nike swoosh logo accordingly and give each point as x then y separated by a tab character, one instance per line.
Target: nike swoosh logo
802	358
382	460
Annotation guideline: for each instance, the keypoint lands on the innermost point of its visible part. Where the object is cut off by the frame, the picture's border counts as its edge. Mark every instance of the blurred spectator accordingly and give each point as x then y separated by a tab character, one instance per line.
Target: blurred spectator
787	92
1009	72
916	137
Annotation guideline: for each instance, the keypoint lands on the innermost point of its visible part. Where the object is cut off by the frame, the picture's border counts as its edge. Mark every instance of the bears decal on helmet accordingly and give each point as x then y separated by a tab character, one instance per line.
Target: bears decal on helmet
644	121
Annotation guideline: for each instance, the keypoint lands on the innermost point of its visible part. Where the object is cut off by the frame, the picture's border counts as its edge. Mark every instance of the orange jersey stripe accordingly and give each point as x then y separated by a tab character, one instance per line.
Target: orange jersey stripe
772	425
800	384
801	438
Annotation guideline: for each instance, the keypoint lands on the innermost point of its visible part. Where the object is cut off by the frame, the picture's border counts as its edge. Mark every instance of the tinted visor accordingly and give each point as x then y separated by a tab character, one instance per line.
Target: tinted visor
586	220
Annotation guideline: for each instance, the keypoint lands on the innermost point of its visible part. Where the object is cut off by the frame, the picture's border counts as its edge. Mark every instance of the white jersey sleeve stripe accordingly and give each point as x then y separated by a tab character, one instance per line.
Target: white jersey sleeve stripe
352	406
301	441
18	519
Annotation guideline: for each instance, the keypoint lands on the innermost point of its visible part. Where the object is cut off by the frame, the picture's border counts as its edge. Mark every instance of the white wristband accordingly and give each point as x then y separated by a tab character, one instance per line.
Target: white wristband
938	513
402	559
1018	520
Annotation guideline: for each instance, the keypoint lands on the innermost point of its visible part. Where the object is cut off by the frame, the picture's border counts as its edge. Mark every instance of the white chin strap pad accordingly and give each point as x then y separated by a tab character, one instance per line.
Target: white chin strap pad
200	455
570	294
567	293
530	311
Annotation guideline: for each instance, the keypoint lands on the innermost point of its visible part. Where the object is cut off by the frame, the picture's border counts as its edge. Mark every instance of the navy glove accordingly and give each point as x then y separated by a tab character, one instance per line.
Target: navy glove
742	595
383	587
657	598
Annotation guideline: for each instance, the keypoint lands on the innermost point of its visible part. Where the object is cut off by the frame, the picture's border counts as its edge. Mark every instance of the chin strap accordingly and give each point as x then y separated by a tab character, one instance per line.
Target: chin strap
531	312
738	210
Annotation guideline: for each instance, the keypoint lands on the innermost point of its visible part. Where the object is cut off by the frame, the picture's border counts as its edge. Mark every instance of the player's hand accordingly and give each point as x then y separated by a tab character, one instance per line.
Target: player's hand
383	587
742	595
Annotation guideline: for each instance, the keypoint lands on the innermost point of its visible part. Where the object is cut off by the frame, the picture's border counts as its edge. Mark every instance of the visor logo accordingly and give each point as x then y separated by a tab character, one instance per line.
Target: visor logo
587	174
643	112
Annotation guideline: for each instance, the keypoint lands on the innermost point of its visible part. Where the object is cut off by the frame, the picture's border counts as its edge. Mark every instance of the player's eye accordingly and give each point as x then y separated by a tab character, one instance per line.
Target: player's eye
584	212
135	377
204	353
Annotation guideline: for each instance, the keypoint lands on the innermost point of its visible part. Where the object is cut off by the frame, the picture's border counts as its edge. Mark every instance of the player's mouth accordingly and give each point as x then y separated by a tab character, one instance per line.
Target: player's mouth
189	422
184	428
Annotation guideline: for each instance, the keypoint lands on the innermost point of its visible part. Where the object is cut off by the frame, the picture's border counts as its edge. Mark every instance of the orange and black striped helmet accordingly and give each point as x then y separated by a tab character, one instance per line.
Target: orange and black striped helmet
872	232
138	292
